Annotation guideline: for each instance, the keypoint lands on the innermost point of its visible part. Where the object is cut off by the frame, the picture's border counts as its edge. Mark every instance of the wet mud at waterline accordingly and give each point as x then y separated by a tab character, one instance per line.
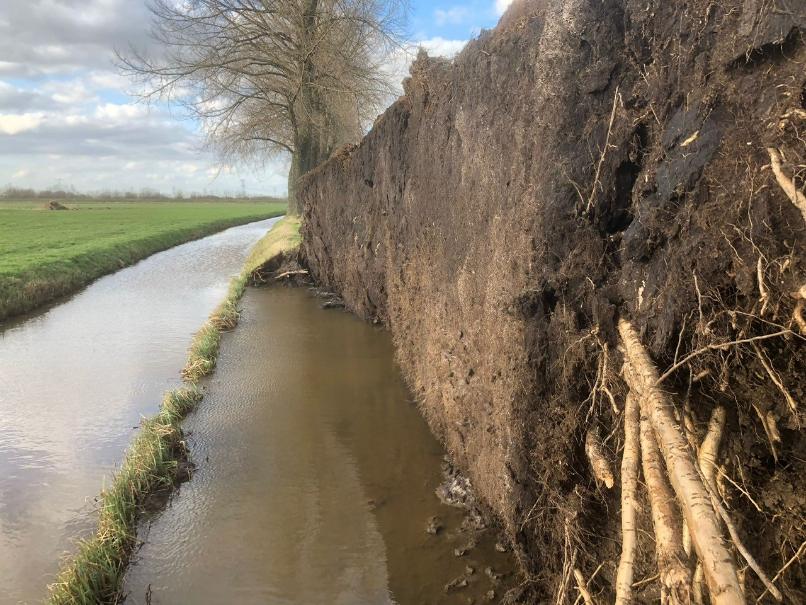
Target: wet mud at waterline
75	381
315	480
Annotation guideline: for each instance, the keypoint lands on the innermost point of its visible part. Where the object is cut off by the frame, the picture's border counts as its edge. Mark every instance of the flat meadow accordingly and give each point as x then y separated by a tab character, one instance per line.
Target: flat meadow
45	254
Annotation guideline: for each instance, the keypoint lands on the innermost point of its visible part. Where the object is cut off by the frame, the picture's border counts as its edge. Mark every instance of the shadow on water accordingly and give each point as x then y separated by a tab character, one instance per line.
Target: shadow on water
316	477
75	380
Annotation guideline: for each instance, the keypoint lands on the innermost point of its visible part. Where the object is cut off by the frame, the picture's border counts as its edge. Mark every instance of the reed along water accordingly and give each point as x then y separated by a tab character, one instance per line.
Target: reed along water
316	479
75	380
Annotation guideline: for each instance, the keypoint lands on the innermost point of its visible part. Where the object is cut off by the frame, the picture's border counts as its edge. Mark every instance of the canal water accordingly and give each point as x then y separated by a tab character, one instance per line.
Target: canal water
74	382
316	479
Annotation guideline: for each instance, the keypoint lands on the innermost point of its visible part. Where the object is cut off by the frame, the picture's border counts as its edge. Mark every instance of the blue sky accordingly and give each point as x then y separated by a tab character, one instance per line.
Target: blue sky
453	20
66	118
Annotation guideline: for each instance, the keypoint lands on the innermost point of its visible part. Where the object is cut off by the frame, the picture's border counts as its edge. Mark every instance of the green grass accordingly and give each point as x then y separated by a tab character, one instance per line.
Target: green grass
94	574
45	254
283	237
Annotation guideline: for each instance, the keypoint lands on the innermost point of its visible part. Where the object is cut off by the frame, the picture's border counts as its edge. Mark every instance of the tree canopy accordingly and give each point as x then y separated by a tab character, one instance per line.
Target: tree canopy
272	76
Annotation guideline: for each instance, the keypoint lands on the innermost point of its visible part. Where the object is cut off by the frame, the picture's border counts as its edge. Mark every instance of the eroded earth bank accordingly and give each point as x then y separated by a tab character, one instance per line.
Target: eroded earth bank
596	198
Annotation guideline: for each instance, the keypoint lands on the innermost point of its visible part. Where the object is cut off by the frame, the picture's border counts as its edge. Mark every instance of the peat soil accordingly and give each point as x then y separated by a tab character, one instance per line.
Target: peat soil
583	162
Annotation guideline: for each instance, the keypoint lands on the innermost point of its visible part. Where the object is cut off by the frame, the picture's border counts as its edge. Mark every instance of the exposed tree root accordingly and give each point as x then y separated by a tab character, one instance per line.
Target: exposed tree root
770	425
582	587
800	306
776	380
709	450
675	576
795	196
629	500
598	460
737	542
694	498
781	571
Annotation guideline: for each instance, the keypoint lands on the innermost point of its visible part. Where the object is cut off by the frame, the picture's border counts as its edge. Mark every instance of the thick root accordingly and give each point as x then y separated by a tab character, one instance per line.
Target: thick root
709	450
703	522
598	460
629	501
795	196
797	316
675	576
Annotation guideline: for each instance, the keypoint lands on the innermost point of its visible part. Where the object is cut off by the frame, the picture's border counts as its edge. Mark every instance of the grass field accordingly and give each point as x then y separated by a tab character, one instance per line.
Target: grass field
45	254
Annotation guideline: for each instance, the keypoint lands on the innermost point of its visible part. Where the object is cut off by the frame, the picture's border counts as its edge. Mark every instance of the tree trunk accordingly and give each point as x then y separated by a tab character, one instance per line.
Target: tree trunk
294	207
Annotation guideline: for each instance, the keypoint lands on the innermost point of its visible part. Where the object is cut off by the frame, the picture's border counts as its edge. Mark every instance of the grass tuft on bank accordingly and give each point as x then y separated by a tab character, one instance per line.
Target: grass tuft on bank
282	238
94	574
46	254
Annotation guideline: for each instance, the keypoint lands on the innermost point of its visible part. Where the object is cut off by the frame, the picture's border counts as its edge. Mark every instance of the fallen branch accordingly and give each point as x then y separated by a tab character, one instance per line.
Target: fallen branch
795	196
291	273
629	501
718	566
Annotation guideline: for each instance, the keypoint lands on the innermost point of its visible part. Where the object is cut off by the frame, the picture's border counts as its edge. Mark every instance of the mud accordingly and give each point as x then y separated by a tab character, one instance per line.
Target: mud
582	162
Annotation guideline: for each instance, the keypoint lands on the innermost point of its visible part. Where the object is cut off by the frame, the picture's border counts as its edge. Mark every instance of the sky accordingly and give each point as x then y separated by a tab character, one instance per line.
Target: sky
67	118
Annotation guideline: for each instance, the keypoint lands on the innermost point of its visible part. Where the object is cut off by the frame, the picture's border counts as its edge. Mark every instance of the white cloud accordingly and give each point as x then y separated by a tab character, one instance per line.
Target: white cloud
440	47
63	107
453	15
113	113
501	6
13	124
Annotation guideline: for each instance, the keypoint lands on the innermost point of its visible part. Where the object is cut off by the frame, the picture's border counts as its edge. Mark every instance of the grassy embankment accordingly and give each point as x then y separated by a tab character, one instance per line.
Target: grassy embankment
45	254
95	572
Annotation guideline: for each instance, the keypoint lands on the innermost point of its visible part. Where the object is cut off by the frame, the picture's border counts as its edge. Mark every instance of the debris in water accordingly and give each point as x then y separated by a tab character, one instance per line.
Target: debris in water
456	584
434	526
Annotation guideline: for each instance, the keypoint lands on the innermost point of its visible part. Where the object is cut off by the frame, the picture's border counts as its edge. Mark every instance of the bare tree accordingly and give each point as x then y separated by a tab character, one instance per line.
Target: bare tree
272	76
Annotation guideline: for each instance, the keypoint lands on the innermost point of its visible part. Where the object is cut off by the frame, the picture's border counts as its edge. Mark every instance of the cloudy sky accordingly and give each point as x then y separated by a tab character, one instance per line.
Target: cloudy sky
66	118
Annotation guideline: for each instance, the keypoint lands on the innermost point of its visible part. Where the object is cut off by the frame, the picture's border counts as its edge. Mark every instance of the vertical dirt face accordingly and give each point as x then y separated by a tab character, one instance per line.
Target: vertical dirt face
584	161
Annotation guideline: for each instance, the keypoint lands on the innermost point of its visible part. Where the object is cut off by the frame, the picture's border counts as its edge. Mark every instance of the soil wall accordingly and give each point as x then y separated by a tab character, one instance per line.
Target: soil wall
584	161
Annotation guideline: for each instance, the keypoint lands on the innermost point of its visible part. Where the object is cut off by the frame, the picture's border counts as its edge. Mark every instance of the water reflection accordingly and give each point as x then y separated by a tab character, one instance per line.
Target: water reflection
74	382
316	476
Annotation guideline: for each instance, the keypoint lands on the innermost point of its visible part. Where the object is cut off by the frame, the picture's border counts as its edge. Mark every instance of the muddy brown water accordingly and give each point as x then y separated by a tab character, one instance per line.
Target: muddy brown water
316	478
74	382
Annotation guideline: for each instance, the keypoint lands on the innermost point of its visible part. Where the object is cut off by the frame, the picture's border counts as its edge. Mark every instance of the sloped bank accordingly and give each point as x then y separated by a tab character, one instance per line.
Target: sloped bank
589	162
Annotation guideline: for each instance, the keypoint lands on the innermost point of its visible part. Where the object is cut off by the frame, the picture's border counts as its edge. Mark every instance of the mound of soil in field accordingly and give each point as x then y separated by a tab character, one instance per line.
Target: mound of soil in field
590	160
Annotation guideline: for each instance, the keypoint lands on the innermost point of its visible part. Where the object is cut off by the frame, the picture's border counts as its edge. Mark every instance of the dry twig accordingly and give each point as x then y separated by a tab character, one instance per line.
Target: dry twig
592	198
790	401
582	587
